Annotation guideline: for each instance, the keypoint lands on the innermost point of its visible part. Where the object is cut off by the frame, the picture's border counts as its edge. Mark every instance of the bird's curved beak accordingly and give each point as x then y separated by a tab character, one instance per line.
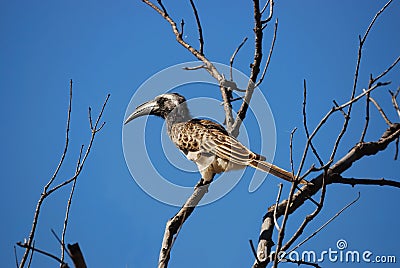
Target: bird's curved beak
143	109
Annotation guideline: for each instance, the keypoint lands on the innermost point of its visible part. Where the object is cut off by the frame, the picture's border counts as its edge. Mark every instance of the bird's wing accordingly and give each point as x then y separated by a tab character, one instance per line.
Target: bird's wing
217	141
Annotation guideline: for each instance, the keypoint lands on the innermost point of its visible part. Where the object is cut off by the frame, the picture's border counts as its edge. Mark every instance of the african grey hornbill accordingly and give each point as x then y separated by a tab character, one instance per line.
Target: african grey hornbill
204	142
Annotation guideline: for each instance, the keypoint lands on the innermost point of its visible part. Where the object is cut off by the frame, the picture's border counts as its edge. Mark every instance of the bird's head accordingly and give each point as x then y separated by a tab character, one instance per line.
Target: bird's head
163	105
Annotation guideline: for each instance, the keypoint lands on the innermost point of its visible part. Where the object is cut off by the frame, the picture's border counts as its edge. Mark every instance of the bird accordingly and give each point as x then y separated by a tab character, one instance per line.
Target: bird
205	142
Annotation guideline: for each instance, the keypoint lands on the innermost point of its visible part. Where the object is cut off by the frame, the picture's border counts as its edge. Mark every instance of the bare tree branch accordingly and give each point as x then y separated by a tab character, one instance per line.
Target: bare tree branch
76	255
16	257
386	71
324	120
359	151
194	68
226	95
62	242
26	246
254	250
308	218
357	181
305	123
325	224
278	198
255	69
175	223
39	204
269	54
46	192
379	108
234	55
201	41
394	100
269	3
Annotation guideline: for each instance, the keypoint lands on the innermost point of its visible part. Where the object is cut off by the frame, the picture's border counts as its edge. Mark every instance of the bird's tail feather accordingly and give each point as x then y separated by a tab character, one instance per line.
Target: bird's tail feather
274	170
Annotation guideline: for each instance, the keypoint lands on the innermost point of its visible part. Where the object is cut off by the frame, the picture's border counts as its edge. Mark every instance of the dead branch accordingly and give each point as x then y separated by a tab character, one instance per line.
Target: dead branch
305	124
255	69
47	191
39	204
356	181
325	119
200	30
234	55
386	71
175	223
269	3
76	255
394	100
32	248
278	198
324	225
308	218
62	242
359	55
269	54
226	95
356	153
379	108
253	250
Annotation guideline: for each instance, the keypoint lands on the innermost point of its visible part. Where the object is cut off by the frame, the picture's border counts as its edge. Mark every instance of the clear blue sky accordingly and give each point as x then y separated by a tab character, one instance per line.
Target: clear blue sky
113	47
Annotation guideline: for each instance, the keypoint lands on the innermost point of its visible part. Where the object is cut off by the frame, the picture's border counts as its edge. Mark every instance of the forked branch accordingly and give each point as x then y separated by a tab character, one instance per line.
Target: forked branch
47	191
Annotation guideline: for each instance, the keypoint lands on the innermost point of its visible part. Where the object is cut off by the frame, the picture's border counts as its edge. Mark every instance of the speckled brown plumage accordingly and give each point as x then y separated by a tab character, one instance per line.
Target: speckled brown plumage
204	142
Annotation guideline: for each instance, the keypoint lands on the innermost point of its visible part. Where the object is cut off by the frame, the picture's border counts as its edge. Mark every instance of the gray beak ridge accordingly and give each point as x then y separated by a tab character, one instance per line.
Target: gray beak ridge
143	109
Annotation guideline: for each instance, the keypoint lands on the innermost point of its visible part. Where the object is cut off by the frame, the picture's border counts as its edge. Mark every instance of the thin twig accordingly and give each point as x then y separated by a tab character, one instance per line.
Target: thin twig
360	48
374	19
394	100
47	192
281	234
309	217
31	256
69	206
255	70
305	123
276	205
182	28
384	116
291	153
271	11
271	49
265	7
327	116
23	245
367	102
42	197
325	224
16	257
387	70
162	7
358	181
66	139
200	30
340	109
234	55
194	68
253	250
